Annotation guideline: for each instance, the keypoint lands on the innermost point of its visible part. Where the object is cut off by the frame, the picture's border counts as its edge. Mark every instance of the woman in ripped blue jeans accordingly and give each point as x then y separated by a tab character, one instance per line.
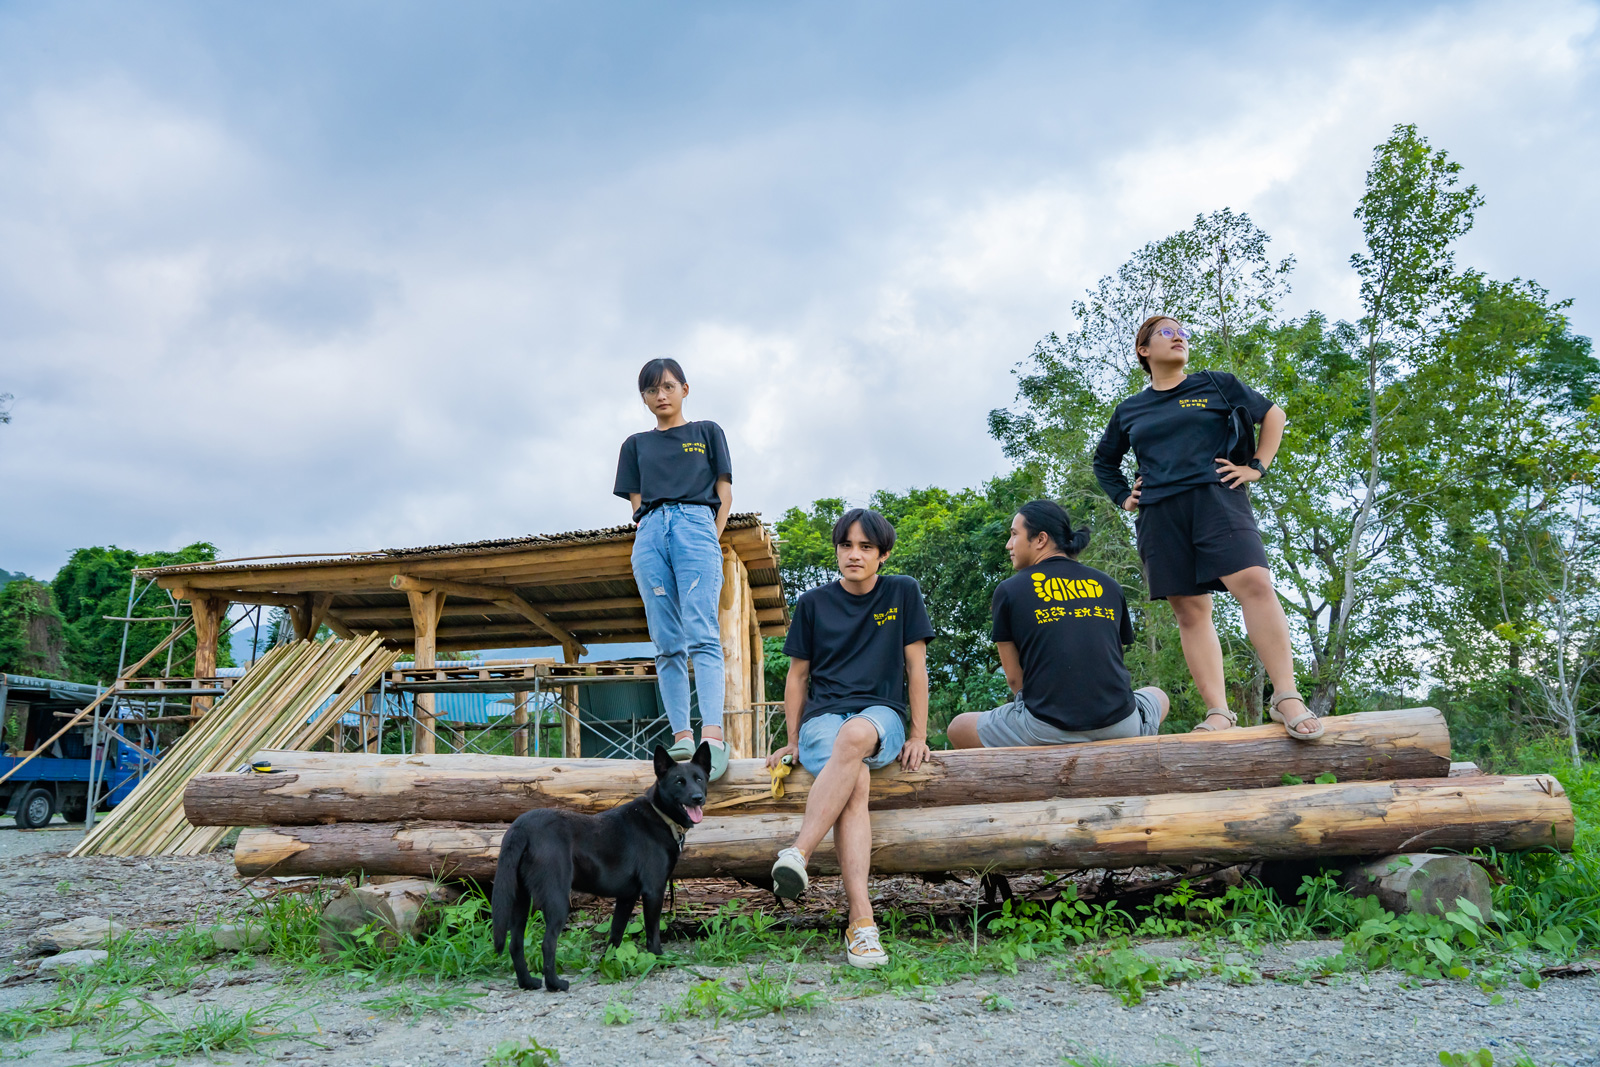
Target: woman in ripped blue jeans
679	479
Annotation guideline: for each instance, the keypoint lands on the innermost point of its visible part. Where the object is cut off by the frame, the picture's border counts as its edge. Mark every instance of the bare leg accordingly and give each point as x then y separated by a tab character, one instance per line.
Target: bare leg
1162	700
1268	628
1202	650
963	730
837	783
852	841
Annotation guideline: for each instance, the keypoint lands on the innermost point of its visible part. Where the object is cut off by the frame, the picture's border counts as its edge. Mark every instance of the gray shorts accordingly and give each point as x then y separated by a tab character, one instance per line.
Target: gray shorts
1013	726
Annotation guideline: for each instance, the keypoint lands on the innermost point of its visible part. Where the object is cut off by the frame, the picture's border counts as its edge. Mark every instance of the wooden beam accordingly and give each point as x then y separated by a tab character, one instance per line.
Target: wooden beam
502	596
571	728
209	612
357	614
1173	829
425	626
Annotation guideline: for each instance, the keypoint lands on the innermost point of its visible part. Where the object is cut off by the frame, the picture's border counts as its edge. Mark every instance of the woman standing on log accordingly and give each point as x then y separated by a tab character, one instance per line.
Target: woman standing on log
679	479
1195	530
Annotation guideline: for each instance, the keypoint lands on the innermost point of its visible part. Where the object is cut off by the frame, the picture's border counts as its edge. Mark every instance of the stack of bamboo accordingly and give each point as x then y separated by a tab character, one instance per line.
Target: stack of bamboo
275	705
1197	798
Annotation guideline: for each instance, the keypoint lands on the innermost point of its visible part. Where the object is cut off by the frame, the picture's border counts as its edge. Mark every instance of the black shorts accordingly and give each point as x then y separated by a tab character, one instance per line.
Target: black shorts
1189	541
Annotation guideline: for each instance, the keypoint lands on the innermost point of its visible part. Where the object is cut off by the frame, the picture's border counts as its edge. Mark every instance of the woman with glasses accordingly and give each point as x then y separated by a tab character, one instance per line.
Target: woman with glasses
679	479
1195	529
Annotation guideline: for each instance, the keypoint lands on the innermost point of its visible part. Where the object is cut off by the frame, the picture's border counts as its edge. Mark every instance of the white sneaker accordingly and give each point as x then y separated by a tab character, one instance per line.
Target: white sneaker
863	949
789	874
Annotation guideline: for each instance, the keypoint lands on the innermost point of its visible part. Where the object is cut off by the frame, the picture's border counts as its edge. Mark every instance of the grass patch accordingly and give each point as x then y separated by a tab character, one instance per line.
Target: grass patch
525	1053
209	1031
415	1003
758	994
78	1001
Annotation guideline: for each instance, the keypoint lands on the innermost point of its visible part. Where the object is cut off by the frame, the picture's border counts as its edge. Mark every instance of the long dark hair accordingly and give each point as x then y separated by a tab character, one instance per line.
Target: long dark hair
1051	519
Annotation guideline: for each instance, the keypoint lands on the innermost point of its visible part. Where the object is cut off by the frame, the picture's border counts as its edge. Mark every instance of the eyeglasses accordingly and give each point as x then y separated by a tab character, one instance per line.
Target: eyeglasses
665	387
1170	332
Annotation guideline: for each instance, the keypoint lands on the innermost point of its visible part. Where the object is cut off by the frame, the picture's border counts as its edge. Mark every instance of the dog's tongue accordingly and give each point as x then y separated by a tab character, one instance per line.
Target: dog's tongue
695	814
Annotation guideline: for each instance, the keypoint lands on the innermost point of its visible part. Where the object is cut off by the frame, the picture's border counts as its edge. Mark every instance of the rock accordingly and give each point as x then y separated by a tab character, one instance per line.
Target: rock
1426	883
51	916
240	937
67	961
87	932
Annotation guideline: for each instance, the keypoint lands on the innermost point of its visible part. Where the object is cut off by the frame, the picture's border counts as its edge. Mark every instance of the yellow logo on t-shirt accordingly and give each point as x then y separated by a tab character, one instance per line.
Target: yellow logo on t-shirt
881	617
695	446
1193	402
1065	588
1044	615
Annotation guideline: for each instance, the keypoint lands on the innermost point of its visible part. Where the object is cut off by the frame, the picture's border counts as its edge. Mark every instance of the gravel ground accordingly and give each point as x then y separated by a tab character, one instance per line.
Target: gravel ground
1043	1014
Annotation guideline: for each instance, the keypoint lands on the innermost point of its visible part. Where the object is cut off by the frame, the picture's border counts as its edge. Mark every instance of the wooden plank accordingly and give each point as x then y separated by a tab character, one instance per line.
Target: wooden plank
1174	829
571	730
209	612
1411	743
501	596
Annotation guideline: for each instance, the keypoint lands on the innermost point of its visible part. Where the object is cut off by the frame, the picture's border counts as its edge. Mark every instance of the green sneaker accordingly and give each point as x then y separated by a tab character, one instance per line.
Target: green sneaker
719	759
682	750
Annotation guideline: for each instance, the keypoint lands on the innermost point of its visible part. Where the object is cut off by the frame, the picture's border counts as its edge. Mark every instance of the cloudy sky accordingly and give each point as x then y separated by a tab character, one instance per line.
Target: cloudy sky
339	276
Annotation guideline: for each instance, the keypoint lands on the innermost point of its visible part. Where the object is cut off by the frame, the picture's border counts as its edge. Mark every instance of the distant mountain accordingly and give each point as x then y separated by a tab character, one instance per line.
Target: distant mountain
8	576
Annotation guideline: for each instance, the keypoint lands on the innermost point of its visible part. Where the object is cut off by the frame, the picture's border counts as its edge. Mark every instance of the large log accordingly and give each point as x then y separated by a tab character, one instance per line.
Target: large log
322	787
1346	819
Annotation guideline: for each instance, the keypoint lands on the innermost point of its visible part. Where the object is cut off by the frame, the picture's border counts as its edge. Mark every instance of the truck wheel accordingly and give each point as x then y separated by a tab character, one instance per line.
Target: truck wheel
36	808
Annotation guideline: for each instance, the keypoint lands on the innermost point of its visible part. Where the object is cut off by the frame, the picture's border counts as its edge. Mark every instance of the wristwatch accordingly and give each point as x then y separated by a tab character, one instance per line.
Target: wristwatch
1255	465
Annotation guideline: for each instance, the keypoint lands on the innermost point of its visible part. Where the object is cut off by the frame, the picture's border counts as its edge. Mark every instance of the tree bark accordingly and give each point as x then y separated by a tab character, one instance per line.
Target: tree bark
1351	819
323	787
1425	883
407	907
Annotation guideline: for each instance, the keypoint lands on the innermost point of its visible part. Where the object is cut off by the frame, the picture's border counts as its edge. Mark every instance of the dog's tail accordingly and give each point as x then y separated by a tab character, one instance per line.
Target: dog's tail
509	899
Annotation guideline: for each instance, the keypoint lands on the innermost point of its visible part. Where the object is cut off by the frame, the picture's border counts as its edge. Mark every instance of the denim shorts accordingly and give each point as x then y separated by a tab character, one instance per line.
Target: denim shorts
1013	725
818	733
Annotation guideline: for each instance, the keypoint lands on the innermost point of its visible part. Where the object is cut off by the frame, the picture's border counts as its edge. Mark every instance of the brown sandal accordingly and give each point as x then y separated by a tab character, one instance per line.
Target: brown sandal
1207	728
1290	722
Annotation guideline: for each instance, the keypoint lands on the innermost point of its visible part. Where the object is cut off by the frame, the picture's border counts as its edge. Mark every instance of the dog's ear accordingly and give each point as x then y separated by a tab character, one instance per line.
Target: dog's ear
664	762
702	758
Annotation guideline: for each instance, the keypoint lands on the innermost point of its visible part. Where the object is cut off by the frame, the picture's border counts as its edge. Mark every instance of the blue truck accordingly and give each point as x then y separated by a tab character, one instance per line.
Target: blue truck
58	779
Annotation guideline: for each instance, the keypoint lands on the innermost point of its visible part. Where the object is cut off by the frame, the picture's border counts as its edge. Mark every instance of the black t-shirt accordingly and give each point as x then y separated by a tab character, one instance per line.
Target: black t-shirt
857	644
1069	623
1177	435
677	466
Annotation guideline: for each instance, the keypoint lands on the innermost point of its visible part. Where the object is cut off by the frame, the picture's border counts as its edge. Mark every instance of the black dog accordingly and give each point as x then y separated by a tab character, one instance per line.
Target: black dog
628	853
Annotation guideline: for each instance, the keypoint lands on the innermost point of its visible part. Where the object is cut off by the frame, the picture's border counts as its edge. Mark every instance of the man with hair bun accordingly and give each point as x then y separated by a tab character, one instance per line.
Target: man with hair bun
1060	628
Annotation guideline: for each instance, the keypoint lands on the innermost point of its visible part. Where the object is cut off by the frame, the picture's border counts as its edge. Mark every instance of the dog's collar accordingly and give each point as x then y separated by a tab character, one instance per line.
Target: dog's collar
678	830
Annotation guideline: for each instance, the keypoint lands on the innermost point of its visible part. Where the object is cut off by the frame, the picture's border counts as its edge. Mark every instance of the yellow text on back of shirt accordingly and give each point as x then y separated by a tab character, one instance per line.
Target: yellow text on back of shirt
1065	588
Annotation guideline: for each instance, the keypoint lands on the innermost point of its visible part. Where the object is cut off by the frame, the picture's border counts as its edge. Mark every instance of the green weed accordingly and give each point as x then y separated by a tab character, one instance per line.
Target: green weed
525	1053
209	1031
415	1003
1126	972
757	995
617	1014
78	1001
995	1002
1481	1058
732	935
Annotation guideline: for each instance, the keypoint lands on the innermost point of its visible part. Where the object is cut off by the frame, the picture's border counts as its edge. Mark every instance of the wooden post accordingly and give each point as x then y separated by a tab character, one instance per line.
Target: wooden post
209	611
519	719
369	723
425	611
731	630
571	732
760	742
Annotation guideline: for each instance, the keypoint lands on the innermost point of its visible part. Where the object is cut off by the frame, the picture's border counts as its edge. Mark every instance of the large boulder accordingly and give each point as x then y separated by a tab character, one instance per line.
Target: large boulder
91	931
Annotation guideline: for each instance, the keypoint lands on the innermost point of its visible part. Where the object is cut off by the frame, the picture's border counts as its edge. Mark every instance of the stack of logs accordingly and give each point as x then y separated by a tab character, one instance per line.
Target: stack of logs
1178	799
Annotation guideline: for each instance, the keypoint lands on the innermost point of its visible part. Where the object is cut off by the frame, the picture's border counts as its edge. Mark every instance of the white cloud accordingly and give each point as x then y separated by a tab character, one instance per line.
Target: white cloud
212	336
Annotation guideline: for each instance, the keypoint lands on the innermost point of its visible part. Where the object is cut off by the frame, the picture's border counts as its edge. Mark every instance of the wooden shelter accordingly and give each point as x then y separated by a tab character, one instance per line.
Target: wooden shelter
570	590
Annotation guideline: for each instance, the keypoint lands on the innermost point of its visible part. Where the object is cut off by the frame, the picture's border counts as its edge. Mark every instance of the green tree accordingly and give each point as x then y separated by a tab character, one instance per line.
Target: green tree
31	638
94	585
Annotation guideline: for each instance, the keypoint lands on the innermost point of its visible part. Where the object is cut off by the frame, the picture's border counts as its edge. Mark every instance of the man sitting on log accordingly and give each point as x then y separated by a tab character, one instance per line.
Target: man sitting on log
1060	629
857	652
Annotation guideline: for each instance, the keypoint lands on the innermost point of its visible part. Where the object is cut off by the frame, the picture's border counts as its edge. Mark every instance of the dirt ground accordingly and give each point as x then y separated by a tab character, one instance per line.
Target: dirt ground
1043	1015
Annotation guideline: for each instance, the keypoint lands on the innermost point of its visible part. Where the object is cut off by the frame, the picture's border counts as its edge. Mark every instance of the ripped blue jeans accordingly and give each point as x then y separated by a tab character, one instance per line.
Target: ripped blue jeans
677	562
